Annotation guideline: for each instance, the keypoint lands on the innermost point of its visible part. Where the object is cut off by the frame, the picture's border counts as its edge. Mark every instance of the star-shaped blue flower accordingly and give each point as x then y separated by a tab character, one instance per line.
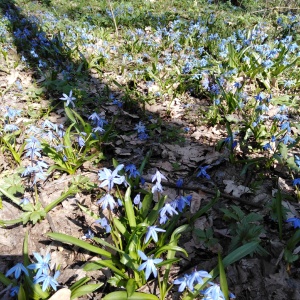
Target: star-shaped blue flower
149	264
295	221
17	269
202	172
42	264
109	178
152	232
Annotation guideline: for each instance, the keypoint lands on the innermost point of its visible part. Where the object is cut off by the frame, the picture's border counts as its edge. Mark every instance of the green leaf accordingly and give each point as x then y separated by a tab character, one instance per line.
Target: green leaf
99	264
129	209
146	204
79	283
82	244
106	244
223	279
69	192
88	211
122	295
131	286
21	294
10	196
283	150
170	248
122	229
6	281
69	114
85	289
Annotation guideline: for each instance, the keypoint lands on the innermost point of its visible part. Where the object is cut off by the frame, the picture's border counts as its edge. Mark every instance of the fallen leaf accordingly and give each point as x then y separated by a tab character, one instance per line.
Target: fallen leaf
236	190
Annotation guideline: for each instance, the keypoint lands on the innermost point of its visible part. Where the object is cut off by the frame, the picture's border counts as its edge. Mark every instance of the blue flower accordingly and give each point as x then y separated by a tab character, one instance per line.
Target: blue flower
12	113
149	264
89	234
17	269
213	293
140	127
24	201
202	172
287	139
167	209
107	200
104	223
179	183
48	281
158	177
183	282
181	202
137	200
143	136
133	172
109	178
152	232
197	276
267	146
157	188
42	264
80	141
69	99
14	291
10	128
297	160
295	221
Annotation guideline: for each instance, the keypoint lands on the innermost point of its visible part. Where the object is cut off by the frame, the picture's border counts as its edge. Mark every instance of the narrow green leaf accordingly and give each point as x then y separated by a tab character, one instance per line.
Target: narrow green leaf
223	279
85	289
10	196
70	114
171	248
26	260
106	244
122	229
79	283
99	264
6	281
88	211
131	286
10	222
69	192
82	244
129	209
122	295
21	293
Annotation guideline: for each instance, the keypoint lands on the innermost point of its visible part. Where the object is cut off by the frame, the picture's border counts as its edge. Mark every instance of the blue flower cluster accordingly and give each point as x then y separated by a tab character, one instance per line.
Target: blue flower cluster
41	276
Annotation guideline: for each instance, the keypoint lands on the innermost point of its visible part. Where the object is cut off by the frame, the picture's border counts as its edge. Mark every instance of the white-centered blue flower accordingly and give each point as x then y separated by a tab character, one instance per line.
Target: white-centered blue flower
109	178
69	99
42	264
149	264
213	292
152	232
48	281
107	200
183	282
158	177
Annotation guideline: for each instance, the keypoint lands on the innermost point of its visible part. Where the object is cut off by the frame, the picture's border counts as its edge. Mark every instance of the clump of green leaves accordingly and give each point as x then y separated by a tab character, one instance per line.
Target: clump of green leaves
244	228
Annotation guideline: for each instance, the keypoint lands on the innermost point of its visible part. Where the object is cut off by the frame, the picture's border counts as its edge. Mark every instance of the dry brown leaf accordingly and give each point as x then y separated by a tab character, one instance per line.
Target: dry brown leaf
236	190
196	201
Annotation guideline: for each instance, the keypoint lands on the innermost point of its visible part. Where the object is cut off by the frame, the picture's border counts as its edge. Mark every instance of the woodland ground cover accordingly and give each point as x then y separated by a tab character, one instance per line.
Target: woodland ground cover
138	138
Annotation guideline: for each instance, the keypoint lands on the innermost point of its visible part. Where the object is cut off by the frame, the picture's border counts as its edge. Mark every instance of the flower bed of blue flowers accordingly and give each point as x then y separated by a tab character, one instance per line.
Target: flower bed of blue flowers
149	150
